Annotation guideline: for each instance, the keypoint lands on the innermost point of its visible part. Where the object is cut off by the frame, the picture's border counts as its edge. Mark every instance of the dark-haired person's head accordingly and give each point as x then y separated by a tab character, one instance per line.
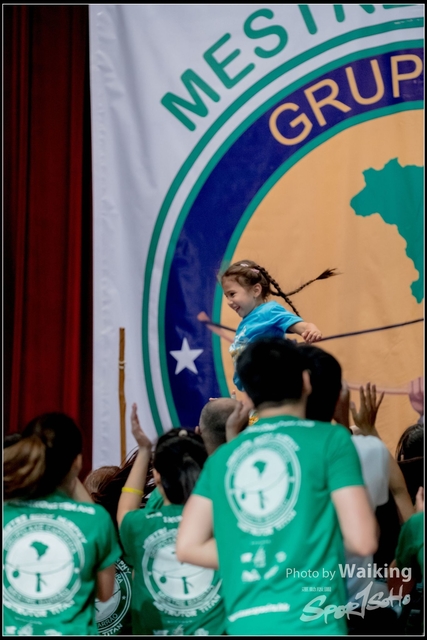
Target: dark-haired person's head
213	418
178	460
271	371
411	443
410	457
326	381
50	446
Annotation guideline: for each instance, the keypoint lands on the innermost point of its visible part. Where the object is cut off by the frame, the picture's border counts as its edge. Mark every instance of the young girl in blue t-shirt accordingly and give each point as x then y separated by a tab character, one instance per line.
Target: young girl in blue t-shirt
247	286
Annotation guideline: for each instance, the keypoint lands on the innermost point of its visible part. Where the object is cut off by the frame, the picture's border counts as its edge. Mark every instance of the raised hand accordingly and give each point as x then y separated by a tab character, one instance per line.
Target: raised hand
133	490
237	420
365	418
141	438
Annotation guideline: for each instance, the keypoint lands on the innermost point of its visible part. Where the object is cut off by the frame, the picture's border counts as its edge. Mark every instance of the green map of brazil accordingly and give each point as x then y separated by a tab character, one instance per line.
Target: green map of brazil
396	193
40	548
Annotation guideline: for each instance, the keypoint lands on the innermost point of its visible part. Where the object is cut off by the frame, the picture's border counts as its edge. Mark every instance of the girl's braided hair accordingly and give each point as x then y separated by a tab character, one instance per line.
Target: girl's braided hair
248	273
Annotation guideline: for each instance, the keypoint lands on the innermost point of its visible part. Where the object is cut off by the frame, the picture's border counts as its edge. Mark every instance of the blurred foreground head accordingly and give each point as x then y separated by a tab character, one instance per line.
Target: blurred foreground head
271	371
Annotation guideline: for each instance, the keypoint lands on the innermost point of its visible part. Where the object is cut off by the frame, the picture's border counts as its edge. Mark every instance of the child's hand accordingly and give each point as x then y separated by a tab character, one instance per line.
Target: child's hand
311	333
137	432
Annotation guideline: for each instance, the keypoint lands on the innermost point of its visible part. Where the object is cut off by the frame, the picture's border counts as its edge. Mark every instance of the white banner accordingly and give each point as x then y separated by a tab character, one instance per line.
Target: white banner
257	131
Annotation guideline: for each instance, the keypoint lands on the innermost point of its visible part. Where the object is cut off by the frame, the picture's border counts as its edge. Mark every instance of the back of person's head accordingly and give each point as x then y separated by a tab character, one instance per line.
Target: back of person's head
97	477
413	472
271	371
40	461
105	484
326	380
212	421
411	443
179	458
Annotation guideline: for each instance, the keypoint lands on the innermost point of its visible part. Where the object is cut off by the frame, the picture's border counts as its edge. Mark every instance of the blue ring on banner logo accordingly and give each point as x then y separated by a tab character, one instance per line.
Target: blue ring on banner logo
208	228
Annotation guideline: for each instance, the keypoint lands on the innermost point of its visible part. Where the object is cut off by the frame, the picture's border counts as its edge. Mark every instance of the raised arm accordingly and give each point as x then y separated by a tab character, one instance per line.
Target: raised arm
365	419
237	421
133	490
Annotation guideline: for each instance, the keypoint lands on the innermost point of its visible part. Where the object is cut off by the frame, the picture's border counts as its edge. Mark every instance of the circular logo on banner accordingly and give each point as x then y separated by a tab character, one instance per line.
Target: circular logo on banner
110	614
327	172
262	483
42	560
177	588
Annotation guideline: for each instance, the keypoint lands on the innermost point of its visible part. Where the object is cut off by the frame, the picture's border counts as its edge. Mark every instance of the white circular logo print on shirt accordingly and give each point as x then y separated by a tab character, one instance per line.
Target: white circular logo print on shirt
109	615
42	560
262	483
176	587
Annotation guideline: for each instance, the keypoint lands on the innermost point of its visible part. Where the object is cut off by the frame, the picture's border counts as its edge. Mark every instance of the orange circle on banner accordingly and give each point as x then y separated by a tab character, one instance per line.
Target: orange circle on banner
305	224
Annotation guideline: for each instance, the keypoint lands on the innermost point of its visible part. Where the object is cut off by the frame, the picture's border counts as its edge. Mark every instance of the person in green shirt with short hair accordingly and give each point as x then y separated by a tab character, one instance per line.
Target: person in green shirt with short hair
274	507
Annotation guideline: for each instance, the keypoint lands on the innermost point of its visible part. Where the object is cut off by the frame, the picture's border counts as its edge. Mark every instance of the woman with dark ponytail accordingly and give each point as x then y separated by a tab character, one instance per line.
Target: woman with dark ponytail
247	287
168	597
59	553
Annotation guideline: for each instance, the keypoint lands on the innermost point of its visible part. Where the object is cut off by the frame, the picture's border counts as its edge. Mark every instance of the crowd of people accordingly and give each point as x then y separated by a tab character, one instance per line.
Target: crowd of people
272	528
281	514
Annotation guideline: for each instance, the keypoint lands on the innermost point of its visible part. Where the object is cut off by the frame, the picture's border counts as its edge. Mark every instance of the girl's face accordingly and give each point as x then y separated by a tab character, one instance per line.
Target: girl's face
241	299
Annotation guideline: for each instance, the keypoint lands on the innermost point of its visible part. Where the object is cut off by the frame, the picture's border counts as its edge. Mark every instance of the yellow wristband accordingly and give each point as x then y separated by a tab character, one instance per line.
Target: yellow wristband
130	490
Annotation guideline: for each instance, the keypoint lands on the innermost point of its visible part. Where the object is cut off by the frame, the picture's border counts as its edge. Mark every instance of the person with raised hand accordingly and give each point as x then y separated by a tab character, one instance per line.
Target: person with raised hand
168	597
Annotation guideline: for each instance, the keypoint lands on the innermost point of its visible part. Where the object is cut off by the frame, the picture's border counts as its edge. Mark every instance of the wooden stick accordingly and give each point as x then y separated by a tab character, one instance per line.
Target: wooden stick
122	400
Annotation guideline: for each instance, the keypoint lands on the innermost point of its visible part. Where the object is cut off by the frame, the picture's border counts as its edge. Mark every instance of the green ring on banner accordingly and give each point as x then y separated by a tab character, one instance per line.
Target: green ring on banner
260	84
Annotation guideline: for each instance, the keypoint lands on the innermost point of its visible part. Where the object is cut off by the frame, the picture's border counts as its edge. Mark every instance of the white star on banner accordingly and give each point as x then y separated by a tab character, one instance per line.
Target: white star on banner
185	357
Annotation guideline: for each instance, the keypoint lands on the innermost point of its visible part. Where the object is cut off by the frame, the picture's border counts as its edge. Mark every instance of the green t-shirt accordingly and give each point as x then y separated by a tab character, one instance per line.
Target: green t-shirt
278	538
154	501
114	616
410	546
168	597
53	549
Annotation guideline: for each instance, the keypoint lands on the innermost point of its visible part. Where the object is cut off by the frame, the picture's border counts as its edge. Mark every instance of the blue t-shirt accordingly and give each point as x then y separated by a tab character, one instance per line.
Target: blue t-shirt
267	320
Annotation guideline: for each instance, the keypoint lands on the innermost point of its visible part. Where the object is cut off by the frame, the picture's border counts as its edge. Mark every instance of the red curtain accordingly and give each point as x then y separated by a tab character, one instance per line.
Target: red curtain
47	216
